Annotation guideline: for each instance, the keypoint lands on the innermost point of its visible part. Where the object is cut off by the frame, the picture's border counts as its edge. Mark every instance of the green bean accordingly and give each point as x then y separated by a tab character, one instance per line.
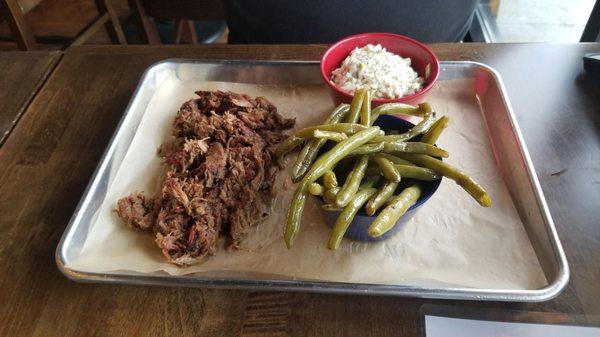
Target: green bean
295	215
394	159
389	138
352	182
373	171
347	215
329	180
330	135
390	215
395	109
303	161
370	180
338	113
426	108
461	178
425	124
384	193
434	132
323	164
341	150
415	147
286	146
367	149
311	149
418	129
315	189
365	110
347	128
357	102
402	137
330	194
331	208
415	172
387	168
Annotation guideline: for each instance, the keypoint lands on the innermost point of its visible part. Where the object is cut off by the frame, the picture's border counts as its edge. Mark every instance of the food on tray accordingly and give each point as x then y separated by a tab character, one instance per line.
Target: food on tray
220	174
384	74
372	165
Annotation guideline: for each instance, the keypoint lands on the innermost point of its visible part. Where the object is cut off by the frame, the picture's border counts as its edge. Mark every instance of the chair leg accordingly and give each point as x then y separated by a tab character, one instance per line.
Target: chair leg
16	20
180	27
193	33
113	26
148	31
178	31
89	30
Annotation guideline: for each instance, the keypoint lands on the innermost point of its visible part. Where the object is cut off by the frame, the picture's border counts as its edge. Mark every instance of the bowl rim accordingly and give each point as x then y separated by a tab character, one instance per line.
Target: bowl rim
434	75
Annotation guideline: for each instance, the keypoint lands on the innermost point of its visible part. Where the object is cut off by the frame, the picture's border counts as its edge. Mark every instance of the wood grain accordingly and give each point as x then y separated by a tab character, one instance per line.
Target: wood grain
21	75
48	159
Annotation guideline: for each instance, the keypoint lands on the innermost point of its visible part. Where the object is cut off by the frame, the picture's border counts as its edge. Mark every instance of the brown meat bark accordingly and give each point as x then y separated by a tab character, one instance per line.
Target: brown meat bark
220	173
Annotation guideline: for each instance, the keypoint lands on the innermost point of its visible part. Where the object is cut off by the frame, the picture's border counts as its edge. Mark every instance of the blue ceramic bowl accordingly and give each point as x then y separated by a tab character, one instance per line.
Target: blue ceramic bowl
358	229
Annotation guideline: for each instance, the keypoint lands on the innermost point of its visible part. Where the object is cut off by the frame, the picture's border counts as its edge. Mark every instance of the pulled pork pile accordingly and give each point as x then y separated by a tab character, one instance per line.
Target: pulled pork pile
220	174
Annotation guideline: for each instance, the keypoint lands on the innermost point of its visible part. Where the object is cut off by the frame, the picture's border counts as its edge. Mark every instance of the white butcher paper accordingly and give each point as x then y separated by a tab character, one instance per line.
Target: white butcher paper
451	241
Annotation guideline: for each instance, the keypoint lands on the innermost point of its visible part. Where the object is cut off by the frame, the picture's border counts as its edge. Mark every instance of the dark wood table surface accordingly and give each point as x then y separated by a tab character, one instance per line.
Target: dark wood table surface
48	159
21	75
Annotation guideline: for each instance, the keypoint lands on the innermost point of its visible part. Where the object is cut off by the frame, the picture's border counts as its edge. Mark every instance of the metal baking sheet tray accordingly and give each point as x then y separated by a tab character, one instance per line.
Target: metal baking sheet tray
509	148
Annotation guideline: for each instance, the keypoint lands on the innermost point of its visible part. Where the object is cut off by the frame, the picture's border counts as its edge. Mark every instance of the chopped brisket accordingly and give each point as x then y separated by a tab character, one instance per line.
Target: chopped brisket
220	174
137	211
214	164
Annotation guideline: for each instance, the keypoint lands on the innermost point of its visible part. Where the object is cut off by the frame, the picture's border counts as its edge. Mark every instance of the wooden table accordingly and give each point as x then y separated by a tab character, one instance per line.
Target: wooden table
50	155
21	75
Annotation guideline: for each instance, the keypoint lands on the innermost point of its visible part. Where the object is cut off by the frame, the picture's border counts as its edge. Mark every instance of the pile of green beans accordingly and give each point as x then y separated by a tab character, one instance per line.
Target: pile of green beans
380	164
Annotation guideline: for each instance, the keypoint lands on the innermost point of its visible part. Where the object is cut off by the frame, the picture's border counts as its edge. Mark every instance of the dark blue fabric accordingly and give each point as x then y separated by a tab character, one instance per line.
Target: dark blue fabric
326	21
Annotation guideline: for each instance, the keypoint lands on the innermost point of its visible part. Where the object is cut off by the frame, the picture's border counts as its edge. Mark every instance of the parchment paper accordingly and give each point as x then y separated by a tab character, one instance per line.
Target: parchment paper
451	240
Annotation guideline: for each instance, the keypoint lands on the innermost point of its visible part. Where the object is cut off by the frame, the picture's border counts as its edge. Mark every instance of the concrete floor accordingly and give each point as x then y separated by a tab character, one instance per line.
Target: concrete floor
542	20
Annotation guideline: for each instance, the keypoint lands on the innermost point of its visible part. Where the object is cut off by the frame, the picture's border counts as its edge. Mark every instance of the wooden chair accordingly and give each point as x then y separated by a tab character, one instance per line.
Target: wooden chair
182	11
13	11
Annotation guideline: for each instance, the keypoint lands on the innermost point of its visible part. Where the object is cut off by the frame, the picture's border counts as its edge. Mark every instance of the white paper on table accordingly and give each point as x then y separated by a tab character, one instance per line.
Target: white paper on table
450	241
436	326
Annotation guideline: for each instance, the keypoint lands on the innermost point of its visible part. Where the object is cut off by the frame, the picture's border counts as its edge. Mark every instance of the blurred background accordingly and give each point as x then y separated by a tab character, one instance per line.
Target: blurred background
56	24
